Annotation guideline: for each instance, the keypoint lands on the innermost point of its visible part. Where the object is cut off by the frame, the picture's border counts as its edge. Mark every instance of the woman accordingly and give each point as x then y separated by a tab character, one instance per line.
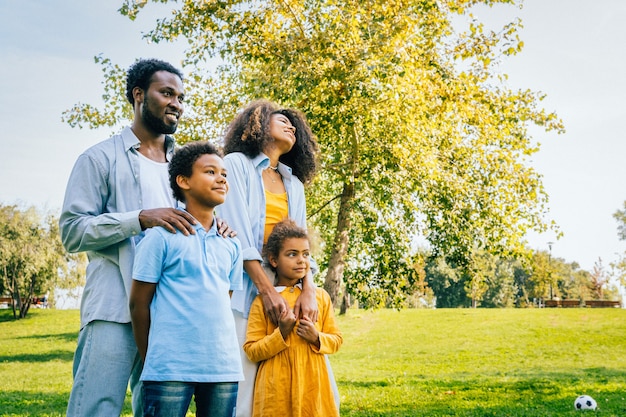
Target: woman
271	154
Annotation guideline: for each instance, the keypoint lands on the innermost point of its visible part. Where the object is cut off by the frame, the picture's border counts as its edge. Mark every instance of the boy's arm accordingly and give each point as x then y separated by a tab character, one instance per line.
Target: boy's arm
141	294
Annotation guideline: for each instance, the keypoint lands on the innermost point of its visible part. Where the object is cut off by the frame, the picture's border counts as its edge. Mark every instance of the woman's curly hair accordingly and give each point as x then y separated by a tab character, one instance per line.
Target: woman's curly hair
249	133
183	160
283	230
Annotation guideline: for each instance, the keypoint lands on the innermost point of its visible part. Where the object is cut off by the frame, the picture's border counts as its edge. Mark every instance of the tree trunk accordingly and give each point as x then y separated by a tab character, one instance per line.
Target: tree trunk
334	276
345	304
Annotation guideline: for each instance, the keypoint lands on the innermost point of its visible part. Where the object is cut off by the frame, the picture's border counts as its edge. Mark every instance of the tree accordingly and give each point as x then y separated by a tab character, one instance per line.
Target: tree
501	282
447	282
500	287
599	280
620	217
419	140
619	266
31	256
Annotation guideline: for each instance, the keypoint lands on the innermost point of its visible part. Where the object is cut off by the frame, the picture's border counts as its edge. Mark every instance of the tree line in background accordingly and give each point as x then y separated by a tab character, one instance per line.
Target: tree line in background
33	262
514	283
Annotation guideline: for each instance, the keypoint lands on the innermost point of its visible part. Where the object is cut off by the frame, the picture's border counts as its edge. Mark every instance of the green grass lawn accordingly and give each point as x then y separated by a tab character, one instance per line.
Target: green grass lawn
460	362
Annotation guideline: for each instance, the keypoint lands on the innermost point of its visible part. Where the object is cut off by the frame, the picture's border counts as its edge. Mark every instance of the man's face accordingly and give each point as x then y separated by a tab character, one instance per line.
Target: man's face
162	105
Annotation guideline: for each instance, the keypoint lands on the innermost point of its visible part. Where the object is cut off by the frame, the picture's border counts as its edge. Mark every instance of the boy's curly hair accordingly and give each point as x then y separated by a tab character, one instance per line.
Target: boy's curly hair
249	133
140	75
183	160
283	230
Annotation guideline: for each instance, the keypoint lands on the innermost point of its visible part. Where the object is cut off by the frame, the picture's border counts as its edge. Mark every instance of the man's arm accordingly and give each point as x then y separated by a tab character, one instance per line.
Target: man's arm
85	223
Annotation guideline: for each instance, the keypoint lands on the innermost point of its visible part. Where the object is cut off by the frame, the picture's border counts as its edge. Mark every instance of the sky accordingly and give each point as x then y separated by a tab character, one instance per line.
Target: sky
574	53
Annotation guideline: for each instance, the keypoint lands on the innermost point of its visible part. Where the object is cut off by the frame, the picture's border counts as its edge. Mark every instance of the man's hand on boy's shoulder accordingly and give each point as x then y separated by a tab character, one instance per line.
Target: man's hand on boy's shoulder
169	218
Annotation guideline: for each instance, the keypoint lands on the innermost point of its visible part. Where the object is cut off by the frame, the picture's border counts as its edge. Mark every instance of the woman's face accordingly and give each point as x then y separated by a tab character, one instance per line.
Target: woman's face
283	132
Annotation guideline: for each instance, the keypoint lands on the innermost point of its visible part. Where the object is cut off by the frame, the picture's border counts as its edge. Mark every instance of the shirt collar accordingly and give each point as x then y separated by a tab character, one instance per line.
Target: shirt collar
131	141
199	227
262	161
282	288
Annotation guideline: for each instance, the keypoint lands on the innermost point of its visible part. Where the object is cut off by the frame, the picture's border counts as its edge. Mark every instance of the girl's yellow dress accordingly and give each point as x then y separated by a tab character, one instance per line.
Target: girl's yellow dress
292	379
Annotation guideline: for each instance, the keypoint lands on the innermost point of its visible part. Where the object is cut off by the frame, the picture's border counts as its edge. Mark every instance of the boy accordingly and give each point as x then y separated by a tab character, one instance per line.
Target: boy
179	300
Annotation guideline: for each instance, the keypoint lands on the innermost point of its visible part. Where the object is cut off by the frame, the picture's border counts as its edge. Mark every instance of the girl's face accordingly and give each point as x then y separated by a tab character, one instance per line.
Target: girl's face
292	263
282	131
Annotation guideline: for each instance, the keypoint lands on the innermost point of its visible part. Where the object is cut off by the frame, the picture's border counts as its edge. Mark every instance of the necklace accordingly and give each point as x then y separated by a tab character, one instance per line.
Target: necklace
274	168
271	177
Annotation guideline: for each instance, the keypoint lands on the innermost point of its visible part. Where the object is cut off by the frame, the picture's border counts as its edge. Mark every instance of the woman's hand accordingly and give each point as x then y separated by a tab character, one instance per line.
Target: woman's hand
306	304
223	229
274	305
306	330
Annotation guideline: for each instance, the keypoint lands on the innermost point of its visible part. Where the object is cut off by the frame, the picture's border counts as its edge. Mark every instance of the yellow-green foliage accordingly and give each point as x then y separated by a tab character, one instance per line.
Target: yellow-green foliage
421	137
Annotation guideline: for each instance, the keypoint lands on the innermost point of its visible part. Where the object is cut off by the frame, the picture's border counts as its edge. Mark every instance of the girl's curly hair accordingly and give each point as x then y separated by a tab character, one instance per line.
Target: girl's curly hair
282	231
249	133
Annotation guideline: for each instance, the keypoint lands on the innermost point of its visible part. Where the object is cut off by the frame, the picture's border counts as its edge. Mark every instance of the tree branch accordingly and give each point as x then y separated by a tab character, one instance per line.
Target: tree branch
323	206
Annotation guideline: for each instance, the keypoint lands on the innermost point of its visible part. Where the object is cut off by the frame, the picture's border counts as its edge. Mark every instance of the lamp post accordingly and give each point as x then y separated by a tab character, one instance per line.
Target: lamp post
550	268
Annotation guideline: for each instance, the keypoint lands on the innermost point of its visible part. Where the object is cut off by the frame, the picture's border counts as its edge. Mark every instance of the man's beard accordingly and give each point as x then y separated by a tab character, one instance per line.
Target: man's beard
154	123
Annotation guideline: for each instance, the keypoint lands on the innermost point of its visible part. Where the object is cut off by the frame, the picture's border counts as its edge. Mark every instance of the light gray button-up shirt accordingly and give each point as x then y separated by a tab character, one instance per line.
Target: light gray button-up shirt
100	215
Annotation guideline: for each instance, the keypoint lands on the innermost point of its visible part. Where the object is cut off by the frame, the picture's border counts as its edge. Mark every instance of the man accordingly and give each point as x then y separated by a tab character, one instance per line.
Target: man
117	189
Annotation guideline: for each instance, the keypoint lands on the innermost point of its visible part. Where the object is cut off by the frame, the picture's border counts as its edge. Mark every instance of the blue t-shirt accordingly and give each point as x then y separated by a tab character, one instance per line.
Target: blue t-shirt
192	331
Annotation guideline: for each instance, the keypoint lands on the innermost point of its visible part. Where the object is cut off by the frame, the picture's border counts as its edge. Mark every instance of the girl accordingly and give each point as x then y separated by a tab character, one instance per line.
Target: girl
292	379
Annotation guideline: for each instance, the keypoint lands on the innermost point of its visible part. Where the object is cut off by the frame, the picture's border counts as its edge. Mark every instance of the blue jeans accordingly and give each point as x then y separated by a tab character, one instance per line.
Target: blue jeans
105	359
172	398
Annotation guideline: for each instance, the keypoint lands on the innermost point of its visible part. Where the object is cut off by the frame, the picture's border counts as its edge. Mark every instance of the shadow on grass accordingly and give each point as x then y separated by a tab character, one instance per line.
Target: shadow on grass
6	314
54	355
24	403
33	403
553	408
52	337
521	395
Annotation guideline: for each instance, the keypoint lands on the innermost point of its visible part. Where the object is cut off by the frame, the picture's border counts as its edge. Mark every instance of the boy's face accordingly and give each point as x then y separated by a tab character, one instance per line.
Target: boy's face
207	184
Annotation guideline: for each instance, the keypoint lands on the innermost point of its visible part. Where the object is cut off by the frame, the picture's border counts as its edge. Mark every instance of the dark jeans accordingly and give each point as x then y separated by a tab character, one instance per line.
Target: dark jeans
171	398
